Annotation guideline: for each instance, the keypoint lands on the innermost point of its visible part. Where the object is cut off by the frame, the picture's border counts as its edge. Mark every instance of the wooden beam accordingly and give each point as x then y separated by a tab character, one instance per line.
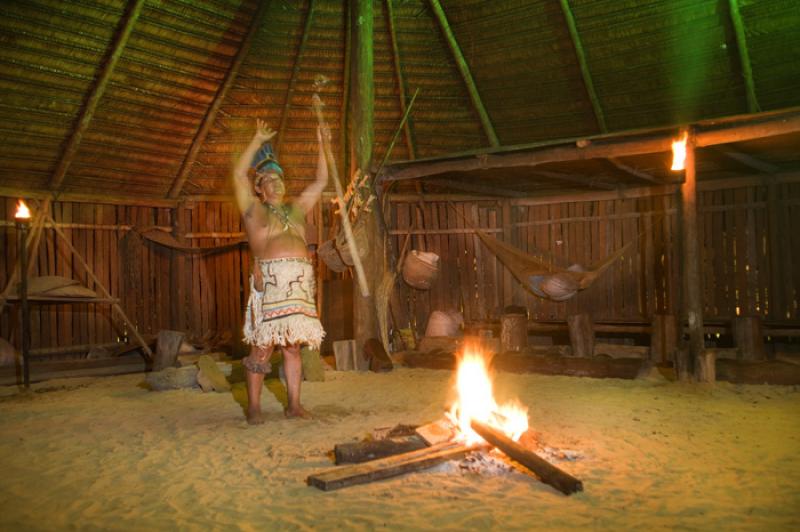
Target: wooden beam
707	133
88	198
622	193
744	56
211	115
287	102
344	129
463	68
580	180
392	466
633	171
690	255
481	189
127	23
401	86
747	160
584	66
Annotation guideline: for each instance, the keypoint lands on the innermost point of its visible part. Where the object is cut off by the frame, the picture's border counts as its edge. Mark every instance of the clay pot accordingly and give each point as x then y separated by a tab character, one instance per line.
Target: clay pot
420	269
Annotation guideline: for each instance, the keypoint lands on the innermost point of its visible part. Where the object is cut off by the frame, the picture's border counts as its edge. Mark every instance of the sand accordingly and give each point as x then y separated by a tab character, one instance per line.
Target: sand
107	454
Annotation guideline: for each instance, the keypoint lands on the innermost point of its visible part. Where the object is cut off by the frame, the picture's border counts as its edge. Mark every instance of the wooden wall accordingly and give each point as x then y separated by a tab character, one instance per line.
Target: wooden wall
744	272
750	243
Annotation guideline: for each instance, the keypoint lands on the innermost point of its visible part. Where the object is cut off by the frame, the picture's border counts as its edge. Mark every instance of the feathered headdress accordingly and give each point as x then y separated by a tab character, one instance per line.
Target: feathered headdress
264	160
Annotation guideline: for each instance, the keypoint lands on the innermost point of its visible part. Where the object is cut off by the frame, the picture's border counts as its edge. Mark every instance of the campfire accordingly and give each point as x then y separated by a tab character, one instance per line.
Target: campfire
475	423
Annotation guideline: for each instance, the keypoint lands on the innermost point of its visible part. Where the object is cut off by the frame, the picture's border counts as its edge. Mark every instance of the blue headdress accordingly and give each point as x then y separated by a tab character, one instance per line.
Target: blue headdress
264	160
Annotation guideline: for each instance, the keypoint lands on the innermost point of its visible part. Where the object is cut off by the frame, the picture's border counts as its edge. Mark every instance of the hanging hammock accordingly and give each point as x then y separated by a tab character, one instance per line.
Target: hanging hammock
543	279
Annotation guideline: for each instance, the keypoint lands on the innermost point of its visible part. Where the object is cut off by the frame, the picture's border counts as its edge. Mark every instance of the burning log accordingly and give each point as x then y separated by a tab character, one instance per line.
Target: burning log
355	453
547	472
392	466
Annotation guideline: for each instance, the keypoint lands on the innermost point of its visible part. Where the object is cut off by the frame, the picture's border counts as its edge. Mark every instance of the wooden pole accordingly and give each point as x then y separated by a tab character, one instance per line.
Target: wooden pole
98	89
287	103
744	56
463	68
547	472
584	65
401	86
208	119
692	280
361	108
25	316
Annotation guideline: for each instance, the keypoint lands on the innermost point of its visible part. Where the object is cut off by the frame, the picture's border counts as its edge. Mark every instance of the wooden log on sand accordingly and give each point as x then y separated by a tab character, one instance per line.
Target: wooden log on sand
392	466
364	451
547	472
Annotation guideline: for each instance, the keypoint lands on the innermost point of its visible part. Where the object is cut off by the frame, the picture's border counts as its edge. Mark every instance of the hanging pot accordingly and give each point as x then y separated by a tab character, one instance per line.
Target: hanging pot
330	256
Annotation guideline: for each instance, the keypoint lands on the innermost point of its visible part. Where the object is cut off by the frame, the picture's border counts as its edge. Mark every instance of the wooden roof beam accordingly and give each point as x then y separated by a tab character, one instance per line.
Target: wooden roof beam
127	23
584	66
466	75
708	133
580	180
287	103
744	56
633	171
401	86
480	189
747	160
211	115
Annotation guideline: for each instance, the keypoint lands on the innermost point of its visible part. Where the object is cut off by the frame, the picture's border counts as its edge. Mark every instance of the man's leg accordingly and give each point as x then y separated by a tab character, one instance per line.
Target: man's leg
293	368
256	366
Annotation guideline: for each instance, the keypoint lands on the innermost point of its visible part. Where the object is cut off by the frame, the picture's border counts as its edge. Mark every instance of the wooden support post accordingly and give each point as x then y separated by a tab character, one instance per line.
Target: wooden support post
749	337
581	335
663	338
744	56
692	281
361	114
167	347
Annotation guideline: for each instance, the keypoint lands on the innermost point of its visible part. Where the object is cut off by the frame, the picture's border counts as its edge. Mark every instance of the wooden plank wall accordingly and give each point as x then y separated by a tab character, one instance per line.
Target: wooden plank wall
738	264
205	295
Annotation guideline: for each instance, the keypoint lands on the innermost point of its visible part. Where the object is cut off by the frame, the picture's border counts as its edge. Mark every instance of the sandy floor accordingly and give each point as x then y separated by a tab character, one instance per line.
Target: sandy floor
106	454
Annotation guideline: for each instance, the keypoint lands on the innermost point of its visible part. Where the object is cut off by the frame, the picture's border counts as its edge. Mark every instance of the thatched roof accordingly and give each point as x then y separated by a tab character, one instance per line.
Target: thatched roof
155	99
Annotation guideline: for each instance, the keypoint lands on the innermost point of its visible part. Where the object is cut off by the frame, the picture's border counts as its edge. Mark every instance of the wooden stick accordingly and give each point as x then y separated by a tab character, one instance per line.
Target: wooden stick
547	472
148	352
348	229
364	451
391	466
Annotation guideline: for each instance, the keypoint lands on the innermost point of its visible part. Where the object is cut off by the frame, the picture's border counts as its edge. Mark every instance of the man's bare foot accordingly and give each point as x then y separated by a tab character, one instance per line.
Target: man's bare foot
254	416
298	411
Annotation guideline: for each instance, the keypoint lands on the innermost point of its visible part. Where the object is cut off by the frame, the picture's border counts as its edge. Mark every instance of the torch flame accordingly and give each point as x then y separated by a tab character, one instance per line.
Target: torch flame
476	401
23	213
679	152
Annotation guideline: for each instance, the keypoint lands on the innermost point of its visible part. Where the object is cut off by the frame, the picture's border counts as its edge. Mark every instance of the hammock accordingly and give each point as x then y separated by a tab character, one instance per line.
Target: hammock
167	240
543	279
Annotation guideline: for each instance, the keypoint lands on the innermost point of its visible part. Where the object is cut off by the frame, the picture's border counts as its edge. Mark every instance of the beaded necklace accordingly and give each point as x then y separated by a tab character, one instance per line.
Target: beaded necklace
282	213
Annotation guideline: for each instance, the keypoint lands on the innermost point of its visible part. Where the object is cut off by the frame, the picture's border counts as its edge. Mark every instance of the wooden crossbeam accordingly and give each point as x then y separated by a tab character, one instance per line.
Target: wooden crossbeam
707	133
98	89
211	114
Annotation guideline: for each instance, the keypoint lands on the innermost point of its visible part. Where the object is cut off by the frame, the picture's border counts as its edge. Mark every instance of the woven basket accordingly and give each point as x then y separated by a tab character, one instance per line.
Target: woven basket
360	236
330	256
420	269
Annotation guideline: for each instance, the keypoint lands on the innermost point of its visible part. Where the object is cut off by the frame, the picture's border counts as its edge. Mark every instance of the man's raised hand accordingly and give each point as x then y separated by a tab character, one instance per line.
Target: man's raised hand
264	132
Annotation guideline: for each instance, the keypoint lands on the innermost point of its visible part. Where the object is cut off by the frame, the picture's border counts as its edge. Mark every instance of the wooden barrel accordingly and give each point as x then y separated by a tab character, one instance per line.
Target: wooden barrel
420	269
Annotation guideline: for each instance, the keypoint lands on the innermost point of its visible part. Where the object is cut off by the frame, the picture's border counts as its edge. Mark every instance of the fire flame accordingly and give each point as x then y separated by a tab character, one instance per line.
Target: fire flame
679	152
23	213
476	401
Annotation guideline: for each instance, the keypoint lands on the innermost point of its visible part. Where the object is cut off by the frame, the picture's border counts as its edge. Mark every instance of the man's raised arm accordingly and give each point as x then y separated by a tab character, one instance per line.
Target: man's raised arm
241	182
